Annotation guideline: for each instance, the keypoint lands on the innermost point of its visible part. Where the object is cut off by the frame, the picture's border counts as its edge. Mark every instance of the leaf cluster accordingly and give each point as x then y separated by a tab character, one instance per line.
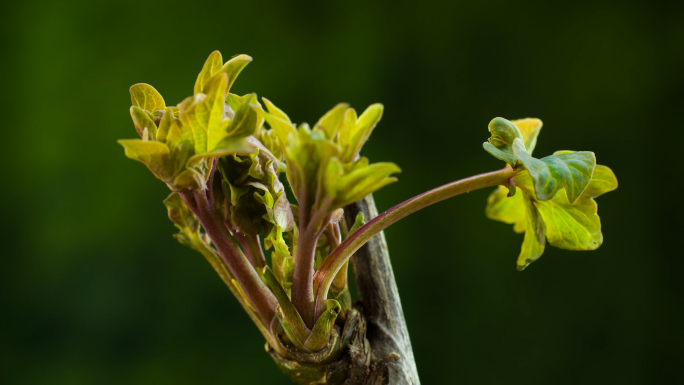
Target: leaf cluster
324	169
179	143
552	198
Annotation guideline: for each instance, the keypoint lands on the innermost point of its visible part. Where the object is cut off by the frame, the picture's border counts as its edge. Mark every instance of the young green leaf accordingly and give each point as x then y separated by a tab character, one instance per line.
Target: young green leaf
210	68
246	121
142	121
144	96
564	169
165	125
355	131
571	226
275	111
330	122
576	226
204	117
232	69
529	129
154	155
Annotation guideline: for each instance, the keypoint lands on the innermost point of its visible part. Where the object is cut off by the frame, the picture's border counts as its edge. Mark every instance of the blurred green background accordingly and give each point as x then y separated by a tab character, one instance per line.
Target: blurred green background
94	290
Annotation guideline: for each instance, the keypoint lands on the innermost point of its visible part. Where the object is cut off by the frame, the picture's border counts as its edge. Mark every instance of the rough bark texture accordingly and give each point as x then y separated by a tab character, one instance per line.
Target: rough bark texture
377	290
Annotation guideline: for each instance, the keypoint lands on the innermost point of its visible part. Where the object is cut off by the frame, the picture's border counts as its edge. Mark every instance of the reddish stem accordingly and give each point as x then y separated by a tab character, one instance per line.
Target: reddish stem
327	271
256	290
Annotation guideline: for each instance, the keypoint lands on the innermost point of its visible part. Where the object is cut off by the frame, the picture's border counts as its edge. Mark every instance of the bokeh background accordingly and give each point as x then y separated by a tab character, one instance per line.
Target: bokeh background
94	290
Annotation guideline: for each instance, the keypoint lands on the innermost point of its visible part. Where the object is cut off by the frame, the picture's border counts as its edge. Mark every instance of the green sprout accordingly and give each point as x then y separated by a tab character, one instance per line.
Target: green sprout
222	156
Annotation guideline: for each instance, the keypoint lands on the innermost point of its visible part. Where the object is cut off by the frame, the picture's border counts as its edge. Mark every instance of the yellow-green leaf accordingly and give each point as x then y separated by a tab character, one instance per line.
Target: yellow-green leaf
228	146
154	155
211	67
330	122
506	209
232	69
529	129
146	97
204	118
355	132
165	125
571	226
247	120
275	111
576	226
142	121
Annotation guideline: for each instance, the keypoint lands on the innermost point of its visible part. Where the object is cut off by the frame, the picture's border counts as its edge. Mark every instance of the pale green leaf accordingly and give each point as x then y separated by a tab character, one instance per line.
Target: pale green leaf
232	69
506	209
330	122
229	146
572	226
205	118
247	120
211	67
154	155
576	226
275	111
529	129
353	186
534	241
142	121
144	96
355	132
165	125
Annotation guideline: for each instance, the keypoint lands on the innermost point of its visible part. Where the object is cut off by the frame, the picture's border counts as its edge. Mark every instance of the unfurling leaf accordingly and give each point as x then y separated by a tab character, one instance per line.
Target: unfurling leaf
571	226
563	170
503	133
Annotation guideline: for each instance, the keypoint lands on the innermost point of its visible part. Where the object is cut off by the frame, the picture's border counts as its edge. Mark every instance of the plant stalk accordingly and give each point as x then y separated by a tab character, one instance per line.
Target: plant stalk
327	271
259	295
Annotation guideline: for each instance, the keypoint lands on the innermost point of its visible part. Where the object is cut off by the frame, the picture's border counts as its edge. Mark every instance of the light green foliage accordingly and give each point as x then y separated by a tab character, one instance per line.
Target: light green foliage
323	165
553	198
178	144
282	262
145	97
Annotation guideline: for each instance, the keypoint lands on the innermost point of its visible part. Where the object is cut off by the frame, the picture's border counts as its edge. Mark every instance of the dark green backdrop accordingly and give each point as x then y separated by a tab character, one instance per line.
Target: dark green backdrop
93	289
